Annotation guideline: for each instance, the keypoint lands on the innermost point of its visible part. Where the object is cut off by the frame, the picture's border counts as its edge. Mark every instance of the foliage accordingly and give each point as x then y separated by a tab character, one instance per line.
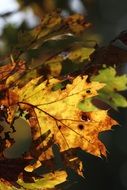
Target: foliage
113	85
38	84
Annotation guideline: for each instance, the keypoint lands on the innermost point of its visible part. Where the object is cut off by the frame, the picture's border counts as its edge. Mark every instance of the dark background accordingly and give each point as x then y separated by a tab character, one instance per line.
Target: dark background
108	18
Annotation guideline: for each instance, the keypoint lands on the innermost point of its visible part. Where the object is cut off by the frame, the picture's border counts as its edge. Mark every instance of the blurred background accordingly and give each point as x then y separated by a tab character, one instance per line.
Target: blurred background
108	18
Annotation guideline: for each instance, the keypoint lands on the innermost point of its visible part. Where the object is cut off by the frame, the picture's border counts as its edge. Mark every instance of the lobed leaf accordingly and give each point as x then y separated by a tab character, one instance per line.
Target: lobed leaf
58	112
114	84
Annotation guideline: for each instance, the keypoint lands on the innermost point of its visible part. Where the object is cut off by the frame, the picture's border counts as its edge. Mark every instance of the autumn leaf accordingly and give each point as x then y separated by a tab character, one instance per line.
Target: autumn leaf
77	23
114	84
87	106
57	111
6	186
53	26
6	71
57	105
109	56
80	54
48	181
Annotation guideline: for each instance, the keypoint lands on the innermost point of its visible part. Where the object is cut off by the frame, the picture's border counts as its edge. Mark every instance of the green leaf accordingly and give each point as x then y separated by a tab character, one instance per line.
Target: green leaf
114	83
113	99
87	105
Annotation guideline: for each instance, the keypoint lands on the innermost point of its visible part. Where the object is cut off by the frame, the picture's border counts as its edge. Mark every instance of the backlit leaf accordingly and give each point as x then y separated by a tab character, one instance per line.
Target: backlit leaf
58	112
114	84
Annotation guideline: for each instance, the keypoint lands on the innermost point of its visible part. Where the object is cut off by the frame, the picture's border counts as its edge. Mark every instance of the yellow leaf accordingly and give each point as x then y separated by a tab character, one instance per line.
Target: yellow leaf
80	54
48	181
58	112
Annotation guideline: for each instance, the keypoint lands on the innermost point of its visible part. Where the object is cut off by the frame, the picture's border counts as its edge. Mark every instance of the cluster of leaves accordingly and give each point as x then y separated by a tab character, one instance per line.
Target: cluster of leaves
52	82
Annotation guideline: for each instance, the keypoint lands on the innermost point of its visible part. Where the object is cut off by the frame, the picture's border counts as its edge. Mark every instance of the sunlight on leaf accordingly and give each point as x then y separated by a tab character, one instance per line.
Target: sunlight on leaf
48	181
58	112
114	84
